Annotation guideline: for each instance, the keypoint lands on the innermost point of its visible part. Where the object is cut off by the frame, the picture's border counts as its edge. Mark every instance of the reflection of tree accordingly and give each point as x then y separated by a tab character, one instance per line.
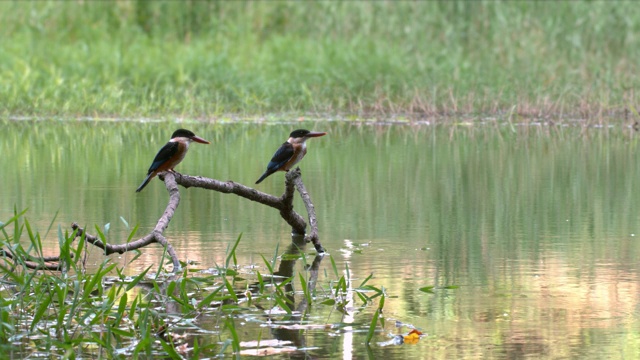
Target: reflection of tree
285	270
284	203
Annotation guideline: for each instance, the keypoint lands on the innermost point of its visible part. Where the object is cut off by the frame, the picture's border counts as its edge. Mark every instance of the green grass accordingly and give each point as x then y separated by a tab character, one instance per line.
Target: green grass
203	59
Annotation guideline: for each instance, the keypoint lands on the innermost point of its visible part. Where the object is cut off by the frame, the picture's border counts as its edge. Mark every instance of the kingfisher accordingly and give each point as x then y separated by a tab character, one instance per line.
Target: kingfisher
290	153
171	154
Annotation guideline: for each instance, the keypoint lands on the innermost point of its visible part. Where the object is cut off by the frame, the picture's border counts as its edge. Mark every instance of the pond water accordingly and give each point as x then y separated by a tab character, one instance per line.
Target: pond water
529	234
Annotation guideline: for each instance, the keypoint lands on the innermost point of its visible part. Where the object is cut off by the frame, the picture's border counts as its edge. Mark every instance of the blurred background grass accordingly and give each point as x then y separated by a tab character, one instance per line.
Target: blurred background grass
206	59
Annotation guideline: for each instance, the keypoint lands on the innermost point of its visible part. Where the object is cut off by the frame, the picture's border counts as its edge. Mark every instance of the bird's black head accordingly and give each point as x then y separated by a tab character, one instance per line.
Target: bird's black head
302	133
299	133
183	133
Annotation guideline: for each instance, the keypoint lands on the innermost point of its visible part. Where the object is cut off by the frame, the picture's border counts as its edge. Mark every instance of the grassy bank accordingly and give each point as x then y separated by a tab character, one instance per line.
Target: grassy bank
206	59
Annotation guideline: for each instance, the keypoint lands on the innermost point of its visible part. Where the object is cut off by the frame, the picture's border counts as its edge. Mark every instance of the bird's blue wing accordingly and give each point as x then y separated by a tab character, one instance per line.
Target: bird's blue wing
167	151
282	155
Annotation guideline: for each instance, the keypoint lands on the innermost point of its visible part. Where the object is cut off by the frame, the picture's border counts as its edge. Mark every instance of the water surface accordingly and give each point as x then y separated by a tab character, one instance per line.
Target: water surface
536	226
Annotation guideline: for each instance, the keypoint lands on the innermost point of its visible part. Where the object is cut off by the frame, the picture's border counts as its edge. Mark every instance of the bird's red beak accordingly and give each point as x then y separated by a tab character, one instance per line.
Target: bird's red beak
200	140
316	134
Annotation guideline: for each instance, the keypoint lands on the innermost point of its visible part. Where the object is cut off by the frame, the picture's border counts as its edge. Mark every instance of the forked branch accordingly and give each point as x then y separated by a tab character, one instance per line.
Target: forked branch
155	236
284	203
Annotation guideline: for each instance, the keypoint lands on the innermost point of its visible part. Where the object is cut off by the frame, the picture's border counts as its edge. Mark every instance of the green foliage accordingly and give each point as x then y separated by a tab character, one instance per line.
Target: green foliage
67	309
377	316
427	289
232	253
73	313
207	58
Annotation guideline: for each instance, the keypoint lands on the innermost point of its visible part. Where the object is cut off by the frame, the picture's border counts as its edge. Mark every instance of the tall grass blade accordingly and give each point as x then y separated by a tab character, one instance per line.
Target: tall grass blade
229	287
13	219
267	264
232	253
55	216
41	309
374	321
136	280
170	350
305	289
334	267
235	340
209	298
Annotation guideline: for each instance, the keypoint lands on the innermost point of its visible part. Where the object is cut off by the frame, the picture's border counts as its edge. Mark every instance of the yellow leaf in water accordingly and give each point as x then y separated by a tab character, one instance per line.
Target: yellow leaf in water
412	337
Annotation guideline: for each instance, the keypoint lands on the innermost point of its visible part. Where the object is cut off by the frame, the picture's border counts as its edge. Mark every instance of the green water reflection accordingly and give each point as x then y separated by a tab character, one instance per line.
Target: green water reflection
538	226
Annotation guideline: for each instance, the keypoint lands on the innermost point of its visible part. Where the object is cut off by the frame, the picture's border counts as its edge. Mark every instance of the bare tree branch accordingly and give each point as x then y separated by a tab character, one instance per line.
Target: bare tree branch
313	221
156	236
172	253
115	248
174	201
284	203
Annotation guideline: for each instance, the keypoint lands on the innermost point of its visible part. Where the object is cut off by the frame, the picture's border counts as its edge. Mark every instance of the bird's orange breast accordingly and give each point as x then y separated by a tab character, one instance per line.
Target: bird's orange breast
299	151
175	159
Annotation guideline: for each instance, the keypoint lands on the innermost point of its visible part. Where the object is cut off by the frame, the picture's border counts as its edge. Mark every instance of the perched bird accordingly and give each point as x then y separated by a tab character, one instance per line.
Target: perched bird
290	153
171	154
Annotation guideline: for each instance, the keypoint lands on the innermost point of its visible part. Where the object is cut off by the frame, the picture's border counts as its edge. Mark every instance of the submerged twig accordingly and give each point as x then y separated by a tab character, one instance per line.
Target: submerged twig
36	265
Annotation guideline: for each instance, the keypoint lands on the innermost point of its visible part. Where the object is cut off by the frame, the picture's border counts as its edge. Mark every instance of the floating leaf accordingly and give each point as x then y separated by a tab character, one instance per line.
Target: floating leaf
412	337
427	289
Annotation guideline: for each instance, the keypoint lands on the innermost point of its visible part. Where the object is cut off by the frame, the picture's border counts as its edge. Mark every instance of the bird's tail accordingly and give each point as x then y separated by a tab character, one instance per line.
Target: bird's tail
264	176
145	182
